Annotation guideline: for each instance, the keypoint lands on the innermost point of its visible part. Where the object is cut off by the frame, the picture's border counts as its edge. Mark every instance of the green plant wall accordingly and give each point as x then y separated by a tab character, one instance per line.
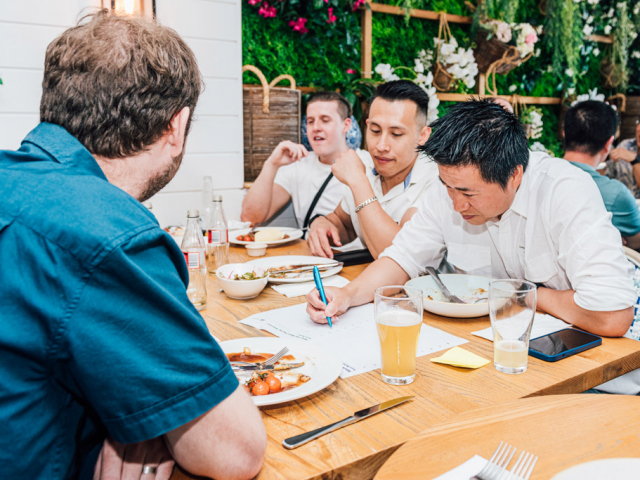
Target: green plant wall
271	45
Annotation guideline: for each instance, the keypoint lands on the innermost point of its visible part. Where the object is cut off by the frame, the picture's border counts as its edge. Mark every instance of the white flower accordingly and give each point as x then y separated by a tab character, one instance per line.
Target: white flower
513	88
537	52
610	13
592	95
596	51
590	19
538	147
635	54
607	29
568	72
571	90
419	68
593	2
384	70
633	35
587	30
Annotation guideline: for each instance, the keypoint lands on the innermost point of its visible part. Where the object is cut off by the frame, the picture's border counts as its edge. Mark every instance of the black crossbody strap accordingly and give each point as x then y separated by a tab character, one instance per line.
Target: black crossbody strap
315	201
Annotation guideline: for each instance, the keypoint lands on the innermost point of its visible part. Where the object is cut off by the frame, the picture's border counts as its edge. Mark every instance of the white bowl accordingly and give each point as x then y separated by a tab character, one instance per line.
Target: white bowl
256	249
466	287
240	289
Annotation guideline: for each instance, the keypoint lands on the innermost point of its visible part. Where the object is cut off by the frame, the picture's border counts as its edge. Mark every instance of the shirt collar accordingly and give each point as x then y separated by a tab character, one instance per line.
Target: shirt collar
64	148
407	181
583	166
520	203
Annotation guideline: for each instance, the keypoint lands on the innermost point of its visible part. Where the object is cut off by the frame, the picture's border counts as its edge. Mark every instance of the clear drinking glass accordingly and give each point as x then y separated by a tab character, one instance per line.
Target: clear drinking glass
512	306
398	312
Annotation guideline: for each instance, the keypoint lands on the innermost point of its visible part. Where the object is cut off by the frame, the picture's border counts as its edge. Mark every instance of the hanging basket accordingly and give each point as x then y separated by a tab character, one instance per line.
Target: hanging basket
611	74
518	110
630	116
442	79
493	50
270	115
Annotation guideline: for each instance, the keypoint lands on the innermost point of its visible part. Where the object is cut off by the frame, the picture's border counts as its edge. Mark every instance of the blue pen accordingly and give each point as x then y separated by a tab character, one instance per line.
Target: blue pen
318	280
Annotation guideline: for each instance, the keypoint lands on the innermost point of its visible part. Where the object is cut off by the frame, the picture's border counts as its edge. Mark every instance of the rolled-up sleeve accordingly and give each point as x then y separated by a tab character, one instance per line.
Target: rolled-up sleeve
590	248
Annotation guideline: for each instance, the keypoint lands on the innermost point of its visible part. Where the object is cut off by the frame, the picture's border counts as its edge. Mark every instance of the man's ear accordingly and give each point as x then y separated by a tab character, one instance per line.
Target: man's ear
177	129
347	125
425	133
516	176
609	144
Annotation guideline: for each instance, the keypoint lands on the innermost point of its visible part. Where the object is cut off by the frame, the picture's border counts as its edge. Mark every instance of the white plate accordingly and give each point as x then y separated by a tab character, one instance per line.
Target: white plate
610	468
294	234
323	368
283	260
466	287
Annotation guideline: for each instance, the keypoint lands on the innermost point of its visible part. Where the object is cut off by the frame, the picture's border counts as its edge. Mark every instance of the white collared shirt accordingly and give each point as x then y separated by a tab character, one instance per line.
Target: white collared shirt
557	232
303	179
400	198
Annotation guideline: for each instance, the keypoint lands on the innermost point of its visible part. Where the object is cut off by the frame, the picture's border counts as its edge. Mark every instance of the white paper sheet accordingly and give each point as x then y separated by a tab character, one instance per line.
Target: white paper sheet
542	325
298	289
353	338
350	247
465	471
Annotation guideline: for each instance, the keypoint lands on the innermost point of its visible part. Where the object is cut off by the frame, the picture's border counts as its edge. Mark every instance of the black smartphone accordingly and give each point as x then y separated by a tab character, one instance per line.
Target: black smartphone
562	344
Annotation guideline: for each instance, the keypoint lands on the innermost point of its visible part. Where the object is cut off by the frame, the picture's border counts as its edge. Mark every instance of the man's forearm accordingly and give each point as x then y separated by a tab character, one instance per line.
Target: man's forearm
636	173
380	273
346	236
560	304
257	202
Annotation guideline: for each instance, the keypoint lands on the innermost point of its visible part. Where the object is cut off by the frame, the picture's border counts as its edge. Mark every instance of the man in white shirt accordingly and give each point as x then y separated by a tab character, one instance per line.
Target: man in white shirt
293	173
379	195
504	212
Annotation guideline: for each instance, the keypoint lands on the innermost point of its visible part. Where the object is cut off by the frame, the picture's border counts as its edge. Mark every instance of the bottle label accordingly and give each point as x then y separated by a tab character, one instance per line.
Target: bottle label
218	237
192	259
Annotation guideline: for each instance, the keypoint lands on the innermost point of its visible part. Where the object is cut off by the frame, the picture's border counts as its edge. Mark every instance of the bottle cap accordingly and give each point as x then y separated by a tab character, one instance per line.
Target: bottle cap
193	214
217	198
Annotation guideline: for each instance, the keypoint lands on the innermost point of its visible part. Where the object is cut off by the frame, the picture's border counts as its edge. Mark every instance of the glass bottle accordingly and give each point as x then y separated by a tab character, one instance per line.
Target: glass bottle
217	237
207	198
193	249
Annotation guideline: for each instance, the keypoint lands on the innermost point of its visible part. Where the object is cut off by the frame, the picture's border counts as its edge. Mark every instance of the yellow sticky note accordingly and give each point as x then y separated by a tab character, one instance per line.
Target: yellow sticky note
459	357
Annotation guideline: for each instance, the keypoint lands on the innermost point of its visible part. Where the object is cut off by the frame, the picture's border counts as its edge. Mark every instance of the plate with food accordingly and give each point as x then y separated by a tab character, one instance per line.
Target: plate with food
314	369
279	267
469	288
268	235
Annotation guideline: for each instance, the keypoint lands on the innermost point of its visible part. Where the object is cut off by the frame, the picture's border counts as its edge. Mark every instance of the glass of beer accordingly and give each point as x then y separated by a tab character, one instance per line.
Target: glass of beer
398	312
512	306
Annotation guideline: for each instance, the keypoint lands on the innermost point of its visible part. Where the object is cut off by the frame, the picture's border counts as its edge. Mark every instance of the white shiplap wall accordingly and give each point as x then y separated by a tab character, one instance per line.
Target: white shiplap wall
212	28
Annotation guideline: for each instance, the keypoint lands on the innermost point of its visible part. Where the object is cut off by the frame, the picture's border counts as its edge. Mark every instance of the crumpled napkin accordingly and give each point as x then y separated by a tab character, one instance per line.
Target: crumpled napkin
459	357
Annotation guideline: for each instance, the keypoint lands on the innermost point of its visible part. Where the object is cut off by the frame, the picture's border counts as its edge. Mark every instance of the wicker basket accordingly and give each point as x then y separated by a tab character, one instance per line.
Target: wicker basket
270	115
442	80
630	116
611	74
493	50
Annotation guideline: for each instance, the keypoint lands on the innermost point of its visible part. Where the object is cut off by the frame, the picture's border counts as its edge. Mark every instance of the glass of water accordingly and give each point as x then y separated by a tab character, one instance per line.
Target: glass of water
512	306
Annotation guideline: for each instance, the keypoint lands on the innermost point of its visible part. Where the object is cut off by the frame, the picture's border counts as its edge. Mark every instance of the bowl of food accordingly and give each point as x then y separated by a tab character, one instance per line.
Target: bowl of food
473	289
241	282
256	249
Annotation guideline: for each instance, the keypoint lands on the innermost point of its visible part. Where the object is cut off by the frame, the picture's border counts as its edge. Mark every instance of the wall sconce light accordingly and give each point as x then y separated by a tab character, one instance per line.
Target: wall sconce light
146	8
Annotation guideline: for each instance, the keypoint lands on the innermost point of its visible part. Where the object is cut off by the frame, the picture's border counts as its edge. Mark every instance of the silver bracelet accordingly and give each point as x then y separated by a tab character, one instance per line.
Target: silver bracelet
365	203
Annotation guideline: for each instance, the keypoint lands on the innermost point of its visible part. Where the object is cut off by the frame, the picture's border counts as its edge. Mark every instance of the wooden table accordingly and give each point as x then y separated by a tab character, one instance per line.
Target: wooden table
562	430
359	450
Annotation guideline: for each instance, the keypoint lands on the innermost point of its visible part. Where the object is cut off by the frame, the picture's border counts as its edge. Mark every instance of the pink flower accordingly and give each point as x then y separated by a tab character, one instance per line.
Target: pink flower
267	11
253	2
350	71
357	4
299	25
332	17
531	39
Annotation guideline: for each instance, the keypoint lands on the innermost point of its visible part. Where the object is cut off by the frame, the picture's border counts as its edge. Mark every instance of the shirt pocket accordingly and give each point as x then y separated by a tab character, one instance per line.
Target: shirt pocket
468	258
540	269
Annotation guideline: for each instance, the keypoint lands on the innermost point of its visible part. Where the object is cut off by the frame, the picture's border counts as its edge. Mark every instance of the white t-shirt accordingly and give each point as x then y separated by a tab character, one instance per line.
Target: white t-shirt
303	179
400	198
557	232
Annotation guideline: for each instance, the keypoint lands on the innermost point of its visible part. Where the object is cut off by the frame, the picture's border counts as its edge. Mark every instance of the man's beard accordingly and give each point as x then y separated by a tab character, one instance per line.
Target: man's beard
158	182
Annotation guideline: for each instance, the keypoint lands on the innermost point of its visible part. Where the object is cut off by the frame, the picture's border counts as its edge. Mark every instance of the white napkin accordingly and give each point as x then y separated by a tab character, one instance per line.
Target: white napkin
542	325
350	247
237	225
298	289
465	471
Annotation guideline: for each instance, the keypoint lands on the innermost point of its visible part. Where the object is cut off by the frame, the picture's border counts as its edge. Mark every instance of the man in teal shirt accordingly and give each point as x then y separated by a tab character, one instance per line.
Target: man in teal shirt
589	132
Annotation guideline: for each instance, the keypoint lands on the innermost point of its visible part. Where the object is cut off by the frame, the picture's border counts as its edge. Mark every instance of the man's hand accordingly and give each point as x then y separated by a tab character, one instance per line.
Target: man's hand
622	154
125	462
349	169
286	153
339	302
320	231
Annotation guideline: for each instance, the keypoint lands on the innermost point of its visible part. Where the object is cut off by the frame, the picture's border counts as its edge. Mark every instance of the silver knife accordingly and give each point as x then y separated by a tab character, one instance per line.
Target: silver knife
294	442
445	291
308	268
259	368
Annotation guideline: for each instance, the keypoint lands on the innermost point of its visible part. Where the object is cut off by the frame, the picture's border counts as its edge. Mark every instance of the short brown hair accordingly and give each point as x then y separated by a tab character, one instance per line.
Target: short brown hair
344	107
115	83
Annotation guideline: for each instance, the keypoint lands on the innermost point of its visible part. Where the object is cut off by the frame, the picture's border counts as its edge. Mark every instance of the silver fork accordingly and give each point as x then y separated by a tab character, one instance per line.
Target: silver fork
524	467
270	361
497	464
